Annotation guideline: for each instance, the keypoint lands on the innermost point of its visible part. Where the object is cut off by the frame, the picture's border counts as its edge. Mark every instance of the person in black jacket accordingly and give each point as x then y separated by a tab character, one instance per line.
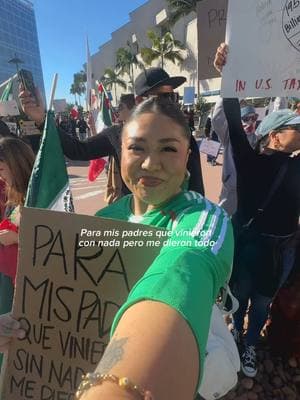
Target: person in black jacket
154	81
265	223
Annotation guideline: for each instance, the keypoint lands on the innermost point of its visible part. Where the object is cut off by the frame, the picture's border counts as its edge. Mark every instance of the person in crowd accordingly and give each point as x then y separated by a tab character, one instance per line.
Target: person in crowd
210	134
173	300
16	162
249	121
263	225
82	127
298	108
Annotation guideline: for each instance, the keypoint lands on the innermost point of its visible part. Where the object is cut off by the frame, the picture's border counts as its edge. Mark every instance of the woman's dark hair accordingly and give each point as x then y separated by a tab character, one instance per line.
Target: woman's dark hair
163	106
19	158
128	100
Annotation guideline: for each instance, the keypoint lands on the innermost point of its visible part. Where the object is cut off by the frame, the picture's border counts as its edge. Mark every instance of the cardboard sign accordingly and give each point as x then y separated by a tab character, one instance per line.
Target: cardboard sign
9	108
28	128
189	95
74	273
264	49
60	105
210	147
211	19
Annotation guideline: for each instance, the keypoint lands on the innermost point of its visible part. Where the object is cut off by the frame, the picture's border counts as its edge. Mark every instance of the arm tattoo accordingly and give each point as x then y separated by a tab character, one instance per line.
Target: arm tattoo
112	355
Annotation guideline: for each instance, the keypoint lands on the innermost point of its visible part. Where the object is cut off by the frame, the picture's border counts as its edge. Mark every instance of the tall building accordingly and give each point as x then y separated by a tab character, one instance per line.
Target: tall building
18	38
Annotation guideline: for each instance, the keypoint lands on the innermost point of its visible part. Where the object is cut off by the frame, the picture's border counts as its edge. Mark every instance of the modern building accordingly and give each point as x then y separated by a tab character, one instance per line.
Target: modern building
153	15
19	39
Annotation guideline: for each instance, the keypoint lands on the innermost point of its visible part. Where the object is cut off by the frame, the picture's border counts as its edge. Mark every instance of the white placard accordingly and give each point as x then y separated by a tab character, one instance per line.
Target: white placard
59	105
9	108
29	128
264	49
210	147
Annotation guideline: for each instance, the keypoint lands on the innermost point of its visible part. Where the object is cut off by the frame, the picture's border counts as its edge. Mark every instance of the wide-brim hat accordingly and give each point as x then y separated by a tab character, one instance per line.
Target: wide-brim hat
152	78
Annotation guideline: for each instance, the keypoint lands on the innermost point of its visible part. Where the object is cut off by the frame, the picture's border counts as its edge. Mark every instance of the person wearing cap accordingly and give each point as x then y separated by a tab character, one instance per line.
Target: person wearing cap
157	82
267	217
249	119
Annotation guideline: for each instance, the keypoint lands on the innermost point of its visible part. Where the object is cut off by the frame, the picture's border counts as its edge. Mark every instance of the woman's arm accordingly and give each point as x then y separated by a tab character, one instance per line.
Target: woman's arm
155	348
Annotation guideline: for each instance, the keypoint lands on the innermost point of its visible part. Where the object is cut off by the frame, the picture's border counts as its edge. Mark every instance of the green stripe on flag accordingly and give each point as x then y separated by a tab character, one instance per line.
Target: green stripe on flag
7	91
49	183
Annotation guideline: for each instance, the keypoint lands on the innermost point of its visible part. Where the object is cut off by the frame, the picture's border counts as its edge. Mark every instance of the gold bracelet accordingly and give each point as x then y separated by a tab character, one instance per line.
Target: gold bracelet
94	378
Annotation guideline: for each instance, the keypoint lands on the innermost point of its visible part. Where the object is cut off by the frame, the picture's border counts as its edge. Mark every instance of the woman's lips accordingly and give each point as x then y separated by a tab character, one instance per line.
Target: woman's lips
150	181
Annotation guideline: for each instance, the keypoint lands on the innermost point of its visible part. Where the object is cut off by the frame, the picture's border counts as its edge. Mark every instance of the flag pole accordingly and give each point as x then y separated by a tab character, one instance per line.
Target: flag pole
53	89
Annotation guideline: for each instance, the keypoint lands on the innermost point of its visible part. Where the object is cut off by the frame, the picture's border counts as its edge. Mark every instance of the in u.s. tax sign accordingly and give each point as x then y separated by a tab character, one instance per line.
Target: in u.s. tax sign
264	49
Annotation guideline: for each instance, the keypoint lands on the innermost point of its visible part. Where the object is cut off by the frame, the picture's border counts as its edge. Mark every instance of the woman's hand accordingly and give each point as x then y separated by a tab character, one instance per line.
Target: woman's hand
8	237
221	57
9	328
35	111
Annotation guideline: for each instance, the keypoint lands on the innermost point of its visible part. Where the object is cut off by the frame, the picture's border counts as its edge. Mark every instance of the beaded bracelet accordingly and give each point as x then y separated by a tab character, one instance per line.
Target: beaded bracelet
94	378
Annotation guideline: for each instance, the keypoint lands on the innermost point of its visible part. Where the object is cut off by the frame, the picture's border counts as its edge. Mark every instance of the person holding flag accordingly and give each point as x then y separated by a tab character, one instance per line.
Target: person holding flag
154	81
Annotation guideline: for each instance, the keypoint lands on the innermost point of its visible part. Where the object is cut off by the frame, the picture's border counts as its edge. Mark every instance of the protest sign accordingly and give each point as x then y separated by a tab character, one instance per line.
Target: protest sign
210	147
28	128
264	49
211	20
189	95
74	273
9	108
60	105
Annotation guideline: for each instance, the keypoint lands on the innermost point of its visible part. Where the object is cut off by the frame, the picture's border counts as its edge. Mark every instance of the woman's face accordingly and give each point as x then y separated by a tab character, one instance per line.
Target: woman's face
154	157
5	174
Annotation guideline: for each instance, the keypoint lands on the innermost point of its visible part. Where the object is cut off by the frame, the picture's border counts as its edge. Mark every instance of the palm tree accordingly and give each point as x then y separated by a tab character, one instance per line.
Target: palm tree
111	79
73	92
126	59
79	79
163	47
180	8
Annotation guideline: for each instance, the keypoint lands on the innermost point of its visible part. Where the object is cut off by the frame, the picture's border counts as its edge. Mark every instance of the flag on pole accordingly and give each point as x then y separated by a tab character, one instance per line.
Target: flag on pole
103	120
88	76
49	182
7	92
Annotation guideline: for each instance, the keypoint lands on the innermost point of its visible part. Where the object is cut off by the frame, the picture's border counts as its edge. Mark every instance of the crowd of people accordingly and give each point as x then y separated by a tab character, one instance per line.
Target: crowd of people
155	178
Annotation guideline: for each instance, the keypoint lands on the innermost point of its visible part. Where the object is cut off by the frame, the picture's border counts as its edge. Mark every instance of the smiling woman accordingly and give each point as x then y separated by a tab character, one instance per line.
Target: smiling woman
159	335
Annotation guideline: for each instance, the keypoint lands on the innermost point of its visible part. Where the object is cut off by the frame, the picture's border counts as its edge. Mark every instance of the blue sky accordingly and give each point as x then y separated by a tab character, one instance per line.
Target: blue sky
62	28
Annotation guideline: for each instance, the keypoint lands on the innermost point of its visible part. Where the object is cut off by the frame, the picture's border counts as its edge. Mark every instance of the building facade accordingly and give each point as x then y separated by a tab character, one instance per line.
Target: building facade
19	39
153	15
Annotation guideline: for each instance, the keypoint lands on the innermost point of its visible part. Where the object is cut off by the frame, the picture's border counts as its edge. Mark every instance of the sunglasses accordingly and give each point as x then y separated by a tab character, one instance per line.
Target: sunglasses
169	95
252	118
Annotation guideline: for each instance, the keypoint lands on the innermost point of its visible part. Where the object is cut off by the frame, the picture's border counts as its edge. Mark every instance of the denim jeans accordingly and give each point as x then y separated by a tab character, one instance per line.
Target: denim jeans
244	290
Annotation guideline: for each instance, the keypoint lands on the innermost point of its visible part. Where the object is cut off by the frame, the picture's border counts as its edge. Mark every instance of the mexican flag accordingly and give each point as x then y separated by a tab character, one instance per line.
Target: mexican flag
7	92
104	117
103	120
49	182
